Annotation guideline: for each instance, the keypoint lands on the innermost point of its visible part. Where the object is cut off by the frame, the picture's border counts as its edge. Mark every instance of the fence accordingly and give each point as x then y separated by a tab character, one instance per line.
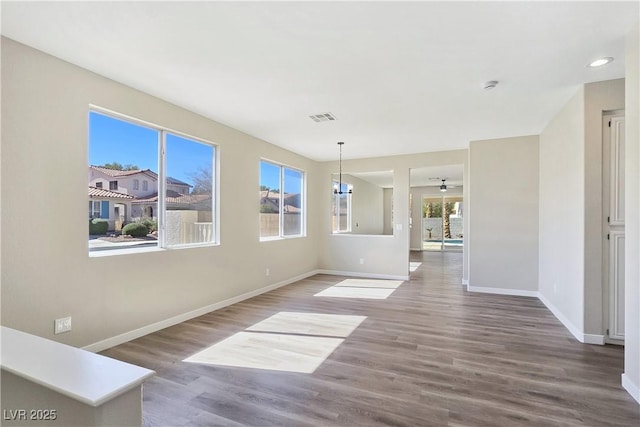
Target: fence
184	227
270	224
435	224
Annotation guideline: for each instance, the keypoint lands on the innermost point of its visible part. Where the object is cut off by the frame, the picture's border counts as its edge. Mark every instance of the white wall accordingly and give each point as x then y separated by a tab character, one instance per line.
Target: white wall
46	270
503	245
631	376
561	255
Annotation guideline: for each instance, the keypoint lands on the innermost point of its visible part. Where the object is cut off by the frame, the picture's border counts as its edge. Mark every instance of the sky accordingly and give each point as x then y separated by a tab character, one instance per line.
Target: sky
114	140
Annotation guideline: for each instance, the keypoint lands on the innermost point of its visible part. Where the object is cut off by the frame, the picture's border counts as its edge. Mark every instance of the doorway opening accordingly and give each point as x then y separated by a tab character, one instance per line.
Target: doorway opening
442	223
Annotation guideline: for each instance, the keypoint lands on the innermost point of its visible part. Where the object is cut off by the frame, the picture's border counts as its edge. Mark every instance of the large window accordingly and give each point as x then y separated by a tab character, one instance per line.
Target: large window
341	207
176	206
282	210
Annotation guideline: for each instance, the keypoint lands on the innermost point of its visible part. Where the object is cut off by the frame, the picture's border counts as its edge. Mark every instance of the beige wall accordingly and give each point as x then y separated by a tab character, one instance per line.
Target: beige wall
561	256
503	243
631	377
46	270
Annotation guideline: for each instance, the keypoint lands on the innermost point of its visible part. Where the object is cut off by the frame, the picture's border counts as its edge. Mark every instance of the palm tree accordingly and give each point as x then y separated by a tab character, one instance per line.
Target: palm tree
445	221
427	210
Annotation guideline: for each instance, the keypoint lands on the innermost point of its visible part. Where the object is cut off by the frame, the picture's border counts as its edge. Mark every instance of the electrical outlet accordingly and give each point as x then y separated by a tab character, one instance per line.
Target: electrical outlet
267	272
62	325
361	260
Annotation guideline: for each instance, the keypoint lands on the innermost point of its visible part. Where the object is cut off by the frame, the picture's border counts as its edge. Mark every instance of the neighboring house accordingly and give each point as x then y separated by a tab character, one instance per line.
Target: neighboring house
142	185
137	183
174	201
270	199
113	206
178	186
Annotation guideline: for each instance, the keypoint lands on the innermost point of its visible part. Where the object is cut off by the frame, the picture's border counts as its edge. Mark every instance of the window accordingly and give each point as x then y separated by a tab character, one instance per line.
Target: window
170	218
95	209
341	208
98	185
282	212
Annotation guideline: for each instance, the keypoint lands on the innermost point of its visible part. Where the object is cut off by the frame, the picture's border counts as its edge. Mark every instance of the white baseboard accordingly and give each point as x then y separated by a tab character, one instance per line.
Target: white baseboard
465	282
154	327
577	333
359	274
415	249
632	389
593	339
501	291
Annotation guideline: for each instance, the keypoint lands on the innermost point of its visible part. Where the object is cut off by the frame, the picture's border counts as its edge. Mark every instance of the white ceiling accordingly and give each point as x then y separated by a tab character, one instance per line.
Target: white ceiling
399	77
424	177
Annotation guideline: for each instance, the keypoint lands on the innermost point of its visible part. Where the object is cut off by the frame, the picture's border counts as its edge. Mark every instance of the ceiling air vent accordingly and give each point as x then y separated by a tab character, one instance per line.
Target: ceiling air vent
322	117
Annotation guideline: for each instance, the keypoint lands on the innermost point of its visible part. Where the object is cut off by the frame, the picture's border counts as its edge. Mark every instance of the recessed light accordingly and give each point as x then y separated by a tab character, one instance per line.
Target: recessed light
601	61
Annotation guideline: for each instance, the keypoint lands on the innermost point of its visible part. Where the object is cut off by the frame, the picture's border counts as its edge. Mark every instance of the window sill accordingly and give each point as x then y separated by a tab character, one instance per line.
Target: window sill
361	235
129	251
124	251
276	238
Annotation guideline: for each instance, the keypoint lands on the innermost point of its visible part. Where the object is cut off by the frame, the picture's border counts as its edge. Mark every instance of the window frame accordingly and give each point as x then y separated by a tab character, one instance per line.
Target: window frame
303	202
93	209
113	185
136	184
336	201
162	131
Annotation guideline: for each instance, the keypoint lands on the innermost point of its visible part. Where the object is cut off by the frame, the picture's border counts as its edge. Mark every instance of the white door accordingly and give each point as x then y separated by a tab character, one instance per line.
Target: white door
613	210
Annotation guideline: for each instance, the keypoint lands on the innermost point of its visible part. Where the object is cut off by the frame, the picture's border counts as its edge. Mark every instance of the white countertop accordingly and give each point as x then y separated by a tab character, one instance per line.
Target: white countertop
79	374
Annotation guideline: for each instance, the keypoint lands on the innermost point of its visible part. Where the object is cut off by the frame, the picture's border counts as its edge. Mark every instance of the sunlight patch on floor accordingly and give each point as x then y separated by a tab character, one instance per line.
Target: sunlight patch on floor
332	325
413	266
361	288
286	341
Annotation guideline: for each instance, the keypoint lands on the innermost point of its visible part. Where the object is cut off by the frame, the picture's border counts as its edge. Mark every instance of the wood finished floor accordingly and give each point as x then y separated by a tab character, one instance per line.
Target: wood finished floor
430	354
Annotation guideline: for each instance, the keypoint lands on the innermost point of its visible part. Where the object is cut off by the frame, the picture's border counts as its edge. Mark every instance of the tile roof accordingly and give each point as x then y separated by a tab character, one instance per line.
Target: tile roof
107	194
117	173
174	197
175	181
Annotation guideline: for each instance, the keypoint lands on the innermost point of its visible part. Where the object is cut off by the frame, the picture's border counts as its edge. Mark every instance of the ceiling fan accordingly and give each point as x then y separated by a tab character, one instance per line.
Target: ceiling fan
443	187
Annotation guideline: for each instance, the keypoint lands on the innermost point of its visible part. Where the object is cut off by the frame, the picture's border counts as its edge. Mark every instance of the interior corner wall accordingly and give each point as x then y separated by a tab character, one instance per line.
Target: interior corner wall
387	196
503	242
631	376
47	272
367	212
598	98
561	241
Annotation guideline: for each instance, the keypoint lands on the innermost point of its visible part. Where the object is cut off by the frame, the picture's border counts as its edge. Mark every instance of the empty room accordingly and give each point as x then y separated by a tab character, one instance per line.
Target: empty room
320	213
